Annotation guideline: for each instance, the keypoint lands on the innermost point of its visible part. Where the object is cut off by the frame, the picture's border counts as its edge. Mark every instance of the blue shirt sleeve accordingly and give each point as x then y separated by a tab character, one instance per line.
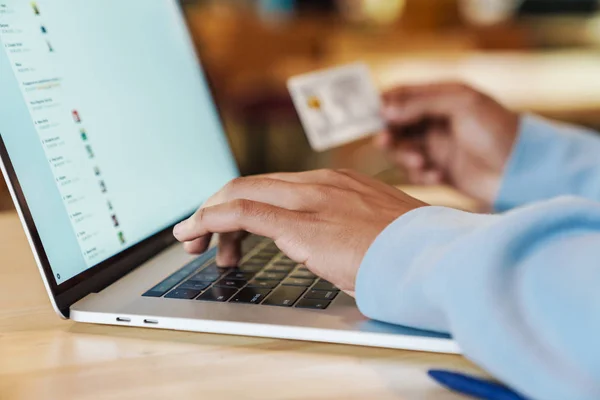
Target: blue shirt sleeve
519	292
550	160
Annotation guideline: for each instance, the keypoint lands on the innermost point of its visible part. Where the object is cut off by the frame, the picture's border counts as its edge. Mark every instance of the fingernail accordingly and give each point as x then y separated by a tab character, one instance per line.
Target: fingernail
177	229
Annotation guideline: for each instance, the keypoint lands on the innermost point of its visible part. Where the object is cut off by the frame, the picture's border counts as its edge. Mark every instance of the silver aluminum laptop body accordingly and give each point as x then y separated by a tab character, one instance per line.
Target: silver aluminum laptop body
111	291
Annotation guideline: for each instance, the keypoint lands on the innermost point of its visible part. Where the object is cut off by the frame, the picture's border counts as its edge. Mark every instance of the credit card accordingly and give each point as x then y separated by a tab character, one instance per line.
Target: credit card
337	105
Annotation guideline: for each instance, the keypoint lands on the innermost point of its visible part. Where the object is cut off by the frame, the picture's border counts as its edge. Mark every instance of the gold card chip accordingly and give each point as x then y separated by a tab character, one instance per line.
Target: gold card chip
314	102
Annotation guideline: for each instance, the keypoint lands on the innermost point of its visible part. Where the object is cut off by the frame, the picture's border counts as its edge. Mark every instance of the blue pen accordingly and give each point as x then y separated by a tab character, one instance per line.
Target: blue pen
474	387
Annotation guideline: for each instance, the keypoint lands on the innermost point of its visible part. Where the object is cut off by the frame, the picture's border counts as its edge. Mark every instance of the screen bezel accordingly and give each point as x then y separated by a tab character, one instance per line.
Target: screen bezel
108	271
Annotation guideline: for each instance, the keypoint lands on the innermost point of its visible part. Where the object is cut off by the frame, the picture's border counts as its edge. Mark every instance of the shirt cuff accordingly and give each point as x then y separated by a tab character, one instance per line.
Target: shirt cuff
548	160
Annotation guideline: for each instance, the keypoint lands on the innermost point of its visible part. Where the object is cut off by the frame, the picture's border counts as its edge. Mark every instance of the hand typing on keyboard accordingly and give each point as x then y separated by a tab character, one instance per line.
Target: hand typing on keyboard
324	219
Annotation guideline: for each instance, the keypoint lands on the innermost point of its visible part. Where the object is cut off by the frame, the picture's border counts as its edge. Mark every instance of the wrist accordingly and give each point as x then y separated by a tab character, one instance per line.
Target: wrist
539	163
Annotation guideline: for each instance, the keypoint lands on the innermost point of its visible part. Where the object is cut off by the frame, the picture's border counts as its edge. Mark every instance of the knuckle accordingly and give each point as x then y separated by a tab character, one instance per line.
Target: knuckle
470	95
233	184
264	183
457	87
329	173
198	217
356	196
347	176
308	225
346	171
463	86
321	192
242	207
201	214
351	174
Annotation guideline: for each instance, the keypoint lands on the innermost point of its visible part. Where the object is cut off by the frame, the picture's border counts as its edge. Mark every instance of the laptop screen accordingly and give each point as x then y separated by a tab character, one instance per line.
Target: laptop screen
108	122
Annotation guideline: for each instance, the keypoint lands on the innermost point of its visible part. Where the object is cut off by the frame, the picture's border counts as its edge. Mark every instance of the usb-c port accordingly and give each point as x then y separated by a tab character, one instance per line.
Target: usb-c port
151	321
121	319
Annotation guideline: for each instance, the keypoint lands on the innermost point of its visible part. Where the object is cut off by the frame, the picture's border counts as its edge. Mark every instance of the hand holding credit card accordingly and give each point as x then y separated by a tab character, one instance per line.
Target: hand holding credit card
337	105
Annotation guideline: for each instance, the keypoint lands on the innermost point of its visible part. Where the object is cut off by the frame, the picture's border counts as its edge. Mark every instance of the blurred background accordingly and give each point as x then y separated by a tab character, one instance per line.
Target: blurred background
540	56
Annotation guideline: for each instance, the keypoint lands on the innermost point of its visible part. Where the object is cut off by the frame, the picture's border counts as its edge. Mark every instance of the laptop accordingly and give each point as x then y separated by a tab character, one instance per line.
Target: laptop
110	136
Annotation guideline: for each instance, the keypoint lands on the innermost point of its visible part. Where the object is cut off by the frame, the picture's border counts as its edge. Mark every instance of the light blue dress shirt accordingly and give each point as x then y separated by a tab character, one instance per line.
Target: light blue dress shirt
519	291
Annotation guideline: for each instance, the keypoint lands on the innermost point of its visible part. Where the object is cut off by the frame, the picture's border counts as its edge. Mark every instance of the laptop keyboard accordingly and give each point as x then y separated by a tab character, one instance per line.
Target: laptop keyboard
265	276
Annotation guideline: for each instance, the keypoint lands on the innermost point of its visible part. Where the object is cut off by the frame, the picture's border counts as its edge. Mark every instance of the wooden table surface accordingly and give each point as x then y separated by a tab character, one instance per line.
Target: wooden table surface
44	357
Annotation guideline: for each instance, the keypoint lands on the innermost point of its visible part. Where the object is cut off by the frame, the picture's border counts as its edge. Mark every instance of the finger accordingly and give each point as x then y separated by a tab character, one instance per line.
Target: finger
197	246
425	177
326	177
409	158
432	177
264	189
415	109
229	252
391	138
408	153
238	215
370	184
424	89
410	108
415	176
440	148
384	140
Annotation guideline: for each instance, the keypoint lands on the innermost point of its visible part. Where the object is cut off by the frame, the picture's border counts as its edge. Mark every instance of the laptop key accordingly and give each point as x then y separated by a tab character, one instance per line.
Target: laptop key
154	293
314	304
249	244
271	276
250	295
177	277
303	274
166	285
255	283
183	294
162	288
263	257
286	261
279	268
324	285
270	249
194	285
205	277
213	268
270	244
174	279
284	296
253	261
243	275
297	282
251	267
321	295
197	263
193	266
220	294
234	283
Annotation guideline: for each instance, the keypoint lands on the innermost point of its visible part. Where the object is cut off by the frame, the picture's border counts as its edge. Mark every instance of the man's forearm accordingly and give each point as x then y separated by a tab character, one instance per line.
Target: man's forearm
518	292
550	160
